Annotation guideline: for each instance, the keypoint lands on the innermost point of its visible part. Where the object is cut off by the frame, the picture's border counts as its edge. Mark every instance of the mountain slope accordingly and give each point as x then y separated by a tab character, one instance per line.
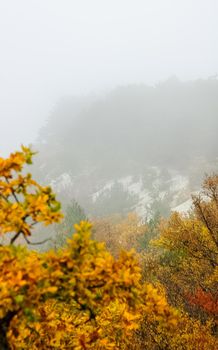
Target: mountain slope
127	134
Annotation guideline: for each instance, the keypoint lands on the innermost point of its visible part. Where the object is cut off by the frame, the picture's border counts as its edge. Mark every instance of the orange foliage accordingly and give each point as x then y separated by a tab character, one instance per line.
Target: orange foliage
23	202
205	300
83	297
79	297
119	233
188	256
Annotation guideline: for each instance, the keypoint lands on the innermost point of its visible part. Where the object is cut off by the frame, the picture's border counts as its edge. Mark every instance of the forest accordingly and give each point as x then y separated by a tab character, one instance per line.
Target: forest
115	283
135	148
109	175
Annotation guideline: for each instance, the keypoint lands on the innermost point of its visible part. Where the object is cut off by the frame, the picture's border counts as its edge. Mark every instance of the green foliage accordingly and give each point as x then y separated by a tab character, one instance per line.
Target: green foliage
152	231
114	200
74	213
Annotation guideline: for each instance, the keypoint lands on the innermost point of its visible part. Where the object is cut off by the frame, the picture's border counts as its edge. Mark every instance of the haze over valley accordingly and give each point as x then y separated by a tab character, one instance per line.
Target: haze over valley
134	148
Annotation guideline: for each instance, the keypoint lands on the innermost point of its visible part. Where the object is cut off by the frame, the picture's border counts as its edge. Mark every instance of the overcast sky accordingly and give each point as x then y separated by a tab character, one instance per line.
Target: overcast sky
52	48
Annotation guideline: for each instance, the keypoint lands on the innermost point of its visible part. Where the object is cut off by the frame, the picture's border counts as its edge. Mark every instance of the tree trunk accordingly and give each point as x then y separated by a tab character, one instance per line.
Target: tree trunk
4	325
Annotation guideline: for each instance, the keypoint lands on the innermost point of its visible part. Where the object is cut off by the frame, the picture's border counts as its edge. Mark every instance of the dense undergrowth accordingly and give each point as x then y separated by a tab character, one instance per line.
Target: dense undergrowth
93	295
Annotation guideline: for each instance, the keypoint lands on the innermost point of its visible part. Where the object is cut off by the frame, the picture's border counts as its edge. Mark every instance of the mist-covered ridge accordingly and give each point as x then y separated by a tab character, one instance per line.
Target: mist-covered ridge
130	131
171	124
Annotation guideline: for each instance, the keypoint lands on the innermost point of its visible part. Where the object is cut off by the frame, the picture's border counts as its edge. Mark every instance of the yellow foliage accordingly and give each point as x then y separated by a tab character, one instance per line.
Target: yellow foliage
79	297
23	202
82	297
119	233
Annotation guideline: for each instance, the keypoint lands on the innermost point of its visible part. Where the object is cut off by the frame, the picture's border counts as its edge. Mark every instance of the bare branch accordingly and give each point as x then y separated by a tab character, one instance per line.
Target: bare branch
36	243
13	239
12	190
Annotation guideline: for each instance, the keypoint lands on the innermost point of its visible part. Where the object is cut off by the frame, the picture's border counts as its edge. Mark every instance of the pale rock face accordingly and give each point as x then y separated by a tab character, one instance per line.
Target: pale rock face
106	187
174	190
179	182
63	182
183	207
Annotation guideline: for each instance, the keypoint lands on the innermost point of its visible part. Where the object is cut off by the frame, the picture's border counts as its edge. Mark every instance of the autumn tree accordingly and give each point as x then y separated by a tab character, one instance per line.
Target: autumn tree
79	297
120	232
23	202
189	255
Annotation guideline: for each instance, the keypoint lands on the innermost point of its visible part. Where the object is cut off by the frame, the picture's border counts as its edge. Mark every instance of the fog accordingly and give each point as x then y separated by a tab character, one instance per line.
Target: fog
54	48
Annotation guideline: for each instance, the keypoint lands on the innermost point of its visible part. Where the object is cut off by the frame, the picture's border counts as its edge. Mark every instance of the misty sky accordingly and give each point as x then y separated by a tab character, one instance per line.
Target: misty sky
52	48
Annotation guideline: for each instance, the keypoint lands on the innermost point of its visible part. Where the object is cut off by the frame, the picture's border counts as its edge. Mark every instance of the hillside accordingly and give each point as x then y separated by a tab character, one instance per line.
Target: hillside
134	148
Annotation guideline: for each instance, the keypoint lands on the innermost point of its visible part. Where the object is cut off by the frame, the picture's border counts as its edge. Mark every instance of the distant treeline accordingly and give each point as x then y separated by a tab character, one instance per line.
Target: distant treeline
169	124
